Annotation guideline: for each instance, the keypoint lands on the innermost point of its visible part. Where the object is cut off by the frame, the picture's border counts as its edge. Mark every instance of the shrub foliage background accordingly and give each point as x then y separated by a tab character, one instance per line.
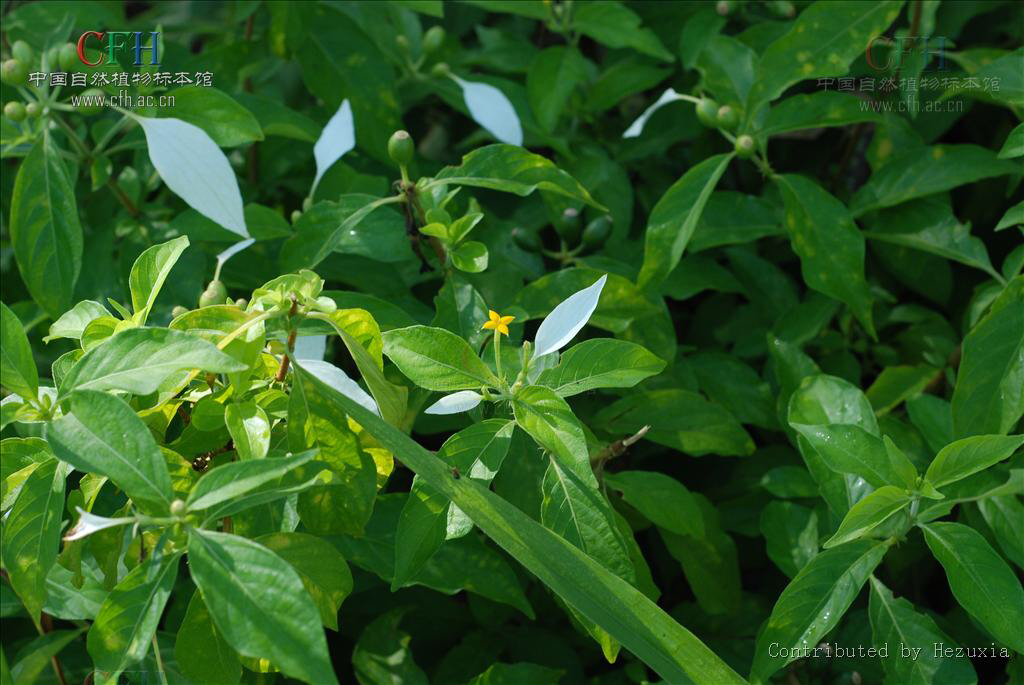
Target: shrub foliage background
779	404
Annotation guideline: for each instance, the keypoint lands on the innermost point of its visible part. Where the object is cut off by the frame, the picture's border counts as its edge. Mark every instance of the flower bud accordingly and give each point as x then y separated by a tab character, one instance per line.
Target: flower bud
707	112
14	72
596	234
178	507
401	148
433	39
68	57
14	110
296	215
727	118
93	96
34	110
569	226
215	293
440	70
178	311
745	146
22	52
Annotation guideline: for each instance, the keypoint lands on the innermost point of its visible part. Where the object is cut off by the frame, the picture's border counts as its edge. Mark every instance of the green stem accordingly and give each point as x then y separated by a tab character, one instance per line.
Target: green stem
109	135
159	661
72	136
497	354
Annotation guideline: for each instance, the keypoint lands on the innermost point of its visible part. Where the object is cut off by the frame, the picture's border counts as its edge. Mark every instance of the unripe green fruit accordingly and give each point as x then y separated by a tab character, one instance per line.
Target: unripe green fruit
307	203
215	293
178	311
34	110
433	39
296	215
53	58
727	118
440	70
401	148
745	146
596	234
91	95
69	57
526	240
241	303
14	72
402	42
178	507
570	226
22	51
707	112
15	111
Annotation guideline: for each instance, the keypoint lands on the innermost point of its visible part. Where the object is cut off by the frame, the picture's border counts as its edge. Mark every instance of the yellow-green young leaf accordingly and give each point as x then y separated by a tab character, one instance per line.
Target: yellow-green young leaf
823	40
17	367
149	272
663	500
607	600
925	171
989	393
981	581
816	110
259	604
550	421
323	570
674	219
869	513
32	534
382	654
600	363
830	247
512	169
249	428
437	359
123	629
201	651
895	623
470	257
812	604
103	435
72	323
45	232
139	360
967	456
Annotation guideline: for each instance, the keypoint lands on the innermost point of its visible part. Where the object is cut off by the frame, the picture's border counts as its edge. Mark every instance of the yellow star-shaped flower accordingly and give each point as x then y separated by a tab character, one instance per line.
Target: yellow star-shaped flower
498	322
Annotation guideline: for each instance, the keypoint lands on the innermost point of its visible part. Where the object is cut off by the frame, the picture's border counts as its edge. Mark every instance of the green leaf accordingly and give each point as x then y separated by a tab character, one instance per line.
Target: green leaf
830	247
602	597
790	533
421	531
851	449
249	428
323	570
1004	514
1014	216
382	655
812	604
32	534
72	323
679	419
821	42
224	488
17	367
38	656
326	230
511	169
896	622
460	309
674	219
103	435
550	421
600	363
898	383
615	25
122	632
470	257
727	66
436	359
259	605
816	110
149	272
869	513
202	653
517	674
45	232
1013	146
663	500
227	122
553	76
981	581
989	393
731	383
967	456
925	171
140	360
731	218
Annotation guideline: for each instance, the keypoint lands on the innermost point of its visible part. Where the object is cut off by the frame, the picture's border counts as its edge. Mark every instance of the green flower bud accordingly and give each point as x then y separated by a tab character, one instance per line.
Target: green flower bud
14	110
53	58
22	52
68	57
401	148
745	146
296	215
95	94
727	118
440	70
526	240
178	311
34	110
433	39
215	293
307	203
570	226
596	234
14	72
707	112
241	303
178	507
402	42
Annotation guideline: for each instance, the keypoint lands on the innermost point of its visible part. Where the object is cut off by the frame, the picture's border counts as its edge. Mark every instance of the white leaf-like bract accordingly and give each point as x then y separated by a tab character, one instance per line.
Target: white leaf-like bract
195	170
490	108
457	402
337	138
310	347
637	127
566	320
227	254
89	523
338	380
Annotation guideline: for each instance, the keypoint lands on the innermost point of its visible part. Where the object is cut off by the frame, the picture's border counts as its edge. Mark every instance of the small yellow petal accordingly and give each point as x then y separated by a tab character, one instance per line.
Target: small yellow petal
490	325
493	315
502	328
507	319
